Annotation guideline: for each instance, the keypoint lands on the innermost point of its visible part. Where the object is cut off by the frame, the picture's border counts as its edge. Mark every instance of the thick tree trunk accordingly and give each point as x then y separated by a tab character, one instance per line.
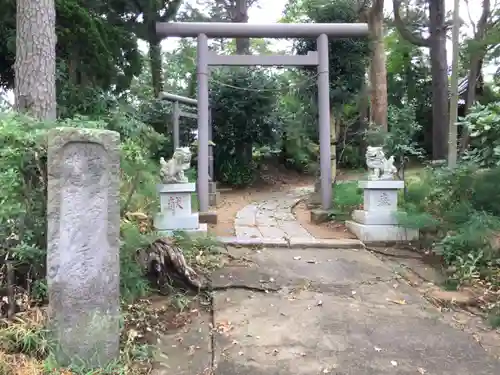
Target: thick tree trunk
35	66
156	67
378	71
154	52
240	15
475	65
439	70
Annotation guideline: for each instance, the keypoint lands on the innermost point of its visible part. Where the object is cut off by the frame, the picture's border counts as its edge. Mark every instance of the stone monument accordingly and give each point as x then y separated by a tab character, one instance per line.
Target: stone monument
175	197
83	262
378	222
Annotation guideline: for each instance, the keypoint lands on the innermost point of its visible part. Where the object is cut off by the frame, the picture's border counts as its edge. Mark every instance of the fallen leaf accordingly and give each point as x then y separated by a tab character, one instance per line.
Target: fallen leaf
397	301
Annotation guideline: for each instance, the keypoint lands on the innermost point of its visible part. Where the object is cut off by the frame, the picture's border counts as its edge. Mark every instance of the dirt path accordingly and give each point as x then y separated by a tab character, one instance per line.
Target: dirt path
276	180
321	312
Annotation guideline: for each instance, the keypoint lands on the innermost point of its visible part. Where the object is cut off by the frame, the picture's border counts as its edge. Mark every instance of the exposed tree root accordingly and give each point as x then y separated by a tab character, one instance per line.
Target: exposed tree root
166	266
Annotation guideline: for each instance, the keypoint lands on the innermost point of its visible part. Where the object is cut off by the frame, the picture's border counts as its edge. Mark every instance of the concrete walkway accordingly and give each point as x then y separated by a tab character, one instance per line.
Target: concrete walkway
320	312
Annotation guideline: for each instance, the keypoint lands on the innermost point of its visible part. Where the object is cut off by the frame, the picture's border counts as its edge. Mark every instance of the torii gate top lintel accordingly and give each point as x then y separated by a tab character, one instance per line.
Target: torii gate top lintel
248	30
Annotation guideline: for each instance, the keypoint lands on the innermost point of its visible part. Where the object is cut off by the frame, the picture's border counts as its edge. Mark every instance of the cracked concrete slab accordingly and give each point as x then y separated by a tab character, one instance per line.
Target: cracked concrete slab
278	334
342	312
186	351
341	266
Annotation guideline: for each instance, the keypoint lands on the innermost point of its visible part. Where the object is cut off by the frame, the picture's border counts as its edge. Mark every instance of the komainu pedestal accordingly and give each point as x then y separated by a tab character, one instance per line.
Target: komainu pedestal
175	209
175	197
378	221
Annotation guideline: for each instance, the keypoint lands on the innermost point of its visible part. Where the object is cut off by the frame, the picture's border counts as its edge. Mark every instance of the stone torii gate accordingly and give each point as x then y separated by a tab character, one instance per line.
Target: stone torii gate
176	115
205	58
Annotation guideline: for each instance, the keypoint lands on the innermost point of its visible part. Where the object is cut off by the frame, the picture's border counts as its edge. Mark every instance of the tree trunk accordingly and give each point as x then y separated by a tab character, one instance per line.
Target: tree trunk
475	65
452	144
156	68
439	70
35	65
240	15
378	71
154	52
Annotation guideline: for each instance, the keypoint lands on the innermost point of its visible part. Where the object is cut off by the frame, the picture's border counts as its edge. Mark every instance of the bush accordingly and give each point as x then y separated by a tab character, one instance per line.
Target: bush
483	125
458	211
242	105
347	197
23	176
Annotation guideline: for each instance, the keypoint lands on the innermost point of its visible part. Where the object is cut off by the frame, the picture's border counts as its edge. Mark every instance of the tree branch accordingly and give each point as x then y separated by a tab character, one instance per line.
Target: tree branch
171	11
470	17
403	31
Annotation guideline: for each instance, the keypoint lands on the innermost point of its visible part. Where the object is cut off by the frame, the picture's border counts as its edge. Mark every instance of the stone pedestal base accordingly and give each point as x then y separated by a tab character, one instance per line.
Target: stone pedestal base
168	222
381	233
319	216
317	186
378	221
213	194
213	198
201	231
175	206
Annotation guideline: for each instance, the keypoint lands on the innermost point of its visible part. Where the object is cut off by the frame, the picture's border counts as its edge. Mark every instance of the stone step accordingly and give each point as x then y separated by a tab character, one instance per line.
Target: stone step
292	243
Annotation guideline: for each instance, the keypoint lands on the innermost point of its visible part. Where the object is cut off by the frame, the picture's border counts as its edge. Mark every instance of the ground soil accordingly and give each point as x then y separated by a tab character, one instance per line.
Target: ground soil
329	230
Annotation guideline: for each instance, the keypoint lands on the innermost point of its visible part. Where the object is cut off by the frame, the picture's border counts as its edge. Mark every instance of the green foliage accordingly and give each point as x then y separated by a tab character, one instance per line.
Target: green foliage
483	124
400	140
93	49
409	81
457	211
295	119
348	57
23	150
347	197
242	103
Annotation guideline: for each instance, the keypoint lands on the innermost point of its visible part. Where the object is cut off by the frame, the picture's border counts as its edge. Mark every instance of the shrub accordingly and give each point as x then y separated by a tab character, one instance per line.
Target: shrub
483	125
23	176
347	197
458	211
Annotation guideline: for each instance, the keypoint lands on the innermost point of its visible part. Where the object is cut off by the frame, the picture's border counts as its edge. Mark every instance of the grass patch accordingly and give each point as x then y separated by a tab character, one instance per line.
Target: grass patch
347	197
195	205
